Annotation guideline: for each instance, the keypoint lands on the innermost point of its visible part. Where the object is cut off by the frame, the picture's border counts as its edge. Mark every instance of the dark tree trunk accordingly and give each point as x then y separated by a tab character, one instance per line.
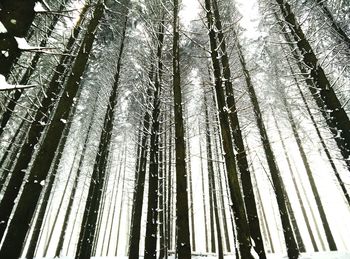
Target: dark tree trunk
301	203
10	106
331	242
139	188
152	213
335	26
212	184
88	226
292	248
183	245
319	85
242	163
63	232
39	170
323	143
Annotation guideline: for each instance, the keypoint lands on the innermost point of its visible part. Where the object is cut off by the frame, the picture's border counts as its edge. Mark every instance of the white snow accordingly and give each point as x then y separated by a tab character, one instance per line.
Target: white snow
23	44
39	7
2	28
4	86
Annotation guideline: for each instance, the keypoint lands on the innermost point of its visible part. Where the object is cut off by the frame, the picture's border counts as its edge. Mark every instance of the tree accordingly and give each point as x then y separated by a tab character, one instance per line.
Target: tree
40	167
183	245
88	226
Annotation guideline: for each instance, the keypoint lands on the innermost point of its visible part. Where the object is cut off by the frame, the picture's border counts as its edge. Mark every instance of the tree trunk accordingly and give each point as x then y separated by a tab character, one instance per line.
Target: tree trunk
292	248
306	219
88	225
183	245
243	235
152	213
242	163
319	85
10	107
203	191
39	170
212	184
135	231
331	242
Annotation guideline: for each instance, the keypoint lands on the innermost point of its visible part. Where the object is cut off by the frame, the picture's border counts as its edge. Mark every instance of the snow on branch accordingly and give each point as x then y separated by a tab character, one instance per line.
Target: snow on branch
4	86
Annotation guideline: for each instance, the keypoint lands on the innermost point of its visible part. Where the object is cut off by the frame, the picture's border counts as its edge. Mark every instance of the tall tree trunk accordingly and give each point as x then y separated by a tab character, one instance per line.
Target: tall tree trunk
242	163
301	203
263	213
190	187
152	213
324	146
10	106
335	26
183	245
331	242
203	191
292	248
319	85
122	201
88	225
212	184
134	242
243	235
63	232
161	194
39	170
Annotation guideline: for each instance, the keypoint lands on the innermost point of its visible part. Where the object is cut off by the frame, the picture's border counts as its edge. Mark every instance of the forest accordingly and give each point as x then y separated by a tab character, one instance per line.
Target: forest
175	129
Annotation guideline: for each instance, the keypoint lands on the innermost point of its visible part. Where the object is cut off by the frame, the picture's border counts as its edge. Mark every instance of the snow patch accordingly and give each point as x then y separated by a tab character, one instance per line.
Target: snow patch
22	43
2	28
38	8
4	86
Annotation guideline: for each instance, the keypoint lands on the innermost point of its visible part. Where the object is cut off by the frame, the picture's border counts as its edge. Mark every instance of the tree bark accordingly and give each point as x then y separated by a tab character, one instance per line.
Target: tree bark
39	170
183	245
319	85
88	226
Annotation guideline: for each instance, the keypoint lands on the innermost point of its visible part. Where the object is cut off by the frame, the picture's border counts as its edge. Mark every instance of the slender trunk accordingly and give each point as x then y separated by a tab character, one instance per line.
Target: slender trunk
47	192
63	232
264	218
331	242
212	184
122	201
243	235
190	188
203	192
170	189
117	181
319	85
10	106
306	219
152	213
20	221
15	147
335	26
242	163
139	187
161	188
292	248
88	226
183	245
324	146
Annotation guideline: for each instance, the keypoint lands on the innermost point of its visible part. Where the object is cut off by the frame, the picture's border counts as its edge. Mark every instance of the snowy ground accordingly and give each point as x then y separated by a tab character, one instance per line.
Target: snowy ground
320	255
